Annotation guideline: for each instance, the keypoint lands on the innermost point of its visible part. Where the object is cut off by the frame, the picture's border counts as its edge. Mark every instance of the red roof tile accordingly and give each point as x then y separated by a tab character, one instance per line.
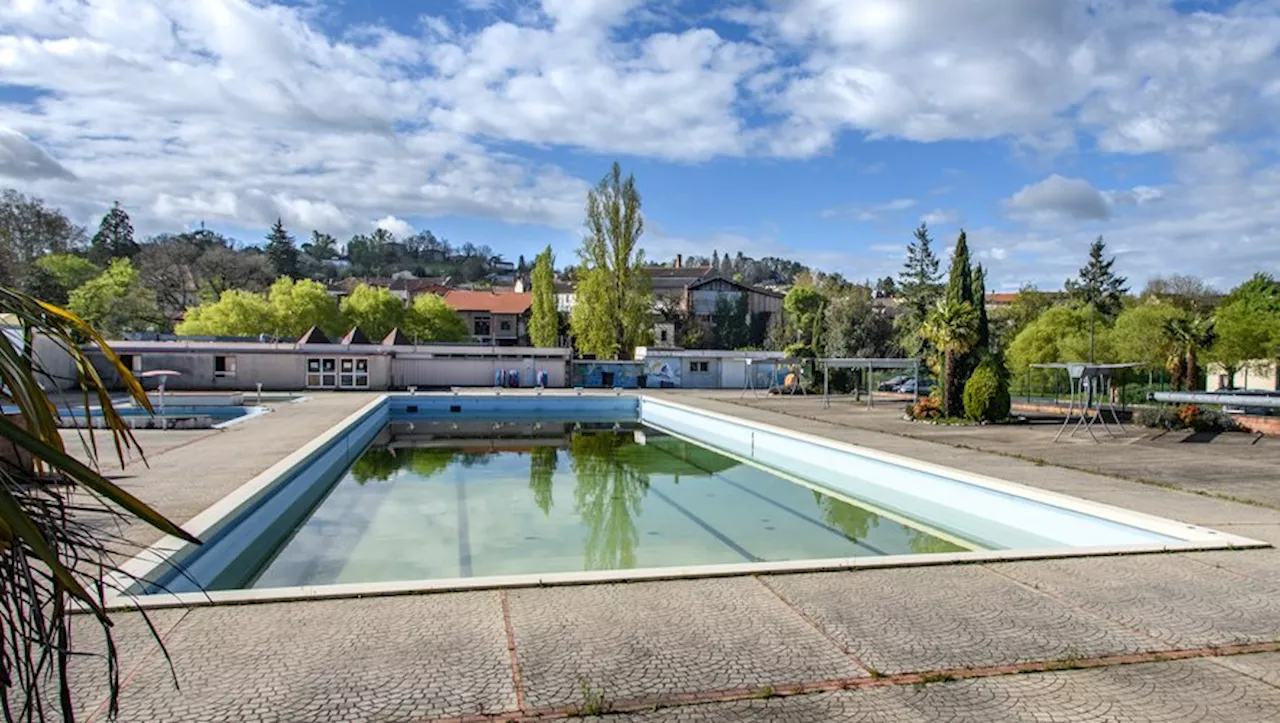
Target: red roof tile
494	302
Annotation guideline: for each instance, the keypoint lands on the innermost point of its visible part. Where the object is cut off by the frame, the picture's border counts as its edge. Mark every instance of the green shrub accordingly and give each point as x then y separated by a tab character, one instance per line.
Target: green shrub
986	394
927	408
1158	418
1188	416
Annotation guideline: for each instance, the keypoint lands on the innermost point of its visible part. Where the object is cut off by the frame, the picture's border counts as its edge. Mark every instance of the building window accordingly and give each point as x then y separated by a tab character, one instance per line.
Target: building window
505	325
481	326
662	336
699	366
224	366
132	362
322	373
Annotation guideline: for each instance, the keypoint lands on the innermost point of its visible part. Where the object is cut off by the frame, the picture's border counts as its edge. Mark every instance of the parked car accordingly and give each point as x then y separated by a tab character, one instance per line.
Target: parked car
1257	411
909	387
889	385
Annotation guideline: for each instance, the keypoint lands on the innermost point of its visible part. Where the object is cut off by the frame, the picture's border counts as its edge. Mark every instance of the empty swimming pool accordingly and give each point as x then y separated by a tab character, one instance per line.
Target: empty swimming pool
521	489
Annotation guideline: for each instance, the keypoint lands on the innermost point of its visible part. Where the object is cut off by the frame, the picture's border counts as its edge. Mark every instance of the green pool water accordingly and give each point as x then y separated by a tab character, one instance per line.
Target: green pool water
445	500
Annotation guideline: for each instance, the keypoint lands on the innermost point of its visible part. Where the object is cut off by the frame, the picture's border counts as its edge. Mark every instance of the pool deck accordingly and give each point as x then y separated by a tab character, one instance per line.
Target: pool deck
1188	636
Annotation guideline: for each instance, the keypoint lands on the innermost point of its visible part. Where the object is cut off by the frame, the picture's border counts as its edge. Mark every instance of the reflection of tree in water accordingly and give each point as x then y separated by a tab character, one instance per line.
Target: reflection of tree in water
607	497
854	521
376	463
542	468
428	462
381	463
923	542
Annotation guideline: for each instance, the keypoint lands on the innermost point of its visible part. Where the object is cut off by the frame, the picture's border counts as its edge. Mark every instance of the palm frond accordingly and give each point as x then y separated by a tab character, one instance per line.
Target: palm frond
54	545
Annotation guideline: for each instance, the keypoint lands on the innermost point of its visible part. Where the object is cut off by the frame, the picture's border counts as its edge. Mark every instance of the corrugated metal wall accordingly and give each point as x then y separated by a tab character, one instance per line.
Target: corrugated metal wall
451	372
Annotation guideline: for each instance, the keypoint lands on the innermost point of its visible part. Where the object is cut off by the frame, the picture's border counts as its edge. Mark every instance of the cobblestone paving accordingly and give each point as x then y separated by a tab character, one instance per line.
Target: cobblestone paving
388	659
626	642
1181	602
1195	690
87	670
935	618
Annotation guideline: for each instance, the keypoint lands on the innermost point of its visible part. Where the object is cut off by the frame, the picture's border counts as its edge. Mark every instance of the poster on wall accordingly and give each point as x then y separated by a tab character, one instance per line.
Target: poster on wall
661	373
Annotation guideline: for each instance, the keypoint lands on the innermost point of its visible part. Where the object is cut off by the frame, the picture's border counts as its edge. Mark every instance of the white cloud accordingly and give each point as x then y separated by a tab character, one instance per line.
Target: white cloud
241	111
941	217
869	212
398	227
1057	196
23	160
1140	76
1138	195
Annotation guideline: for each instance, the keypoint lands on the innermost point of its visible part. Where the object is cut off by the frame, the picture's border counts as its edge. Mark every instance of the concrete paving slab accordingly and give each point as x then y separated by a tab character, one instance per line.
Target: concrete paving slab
639	640
1195	690
1262	666
382	659
1258	565
182	478
873	706
1182	603
936	618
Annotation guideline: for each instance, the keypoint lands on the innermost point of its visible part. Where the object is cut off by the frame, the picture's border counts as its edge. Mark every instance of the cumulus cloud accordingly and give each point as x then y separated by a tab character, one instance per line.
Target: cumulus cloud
941	217
397	227
242	111
1141	77
1057	196
25	161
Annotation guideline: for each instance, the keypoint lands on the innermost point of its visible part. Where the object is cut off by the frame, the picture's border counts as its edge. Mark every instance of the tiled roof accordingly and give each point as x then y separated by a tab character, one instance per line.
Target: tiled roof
1002	297
495	302
739	284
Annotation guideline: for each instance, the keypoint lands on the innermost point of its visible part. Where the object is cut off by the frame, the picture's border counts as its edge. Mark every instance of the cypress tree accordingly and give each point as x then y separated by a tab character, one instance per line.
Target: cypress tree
960	282
980	301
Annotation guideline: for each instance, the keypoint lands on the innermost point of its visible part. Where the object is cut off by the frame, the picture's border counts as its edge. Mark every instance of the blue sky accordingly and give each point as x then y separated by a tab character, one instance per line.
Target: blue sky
822	130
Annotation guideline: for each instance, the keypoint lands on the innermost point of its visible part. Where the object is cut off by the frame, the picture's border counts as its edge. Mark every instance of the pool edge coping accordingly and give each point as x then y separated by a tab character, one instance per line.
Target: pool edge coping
341	591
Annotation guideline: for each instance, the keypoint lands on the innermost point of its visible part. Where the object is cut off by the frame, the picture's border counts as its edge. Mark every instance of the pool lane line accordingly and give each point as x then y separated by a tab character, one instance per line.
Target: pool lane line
706	526
960	542
464	532
785	508
806	518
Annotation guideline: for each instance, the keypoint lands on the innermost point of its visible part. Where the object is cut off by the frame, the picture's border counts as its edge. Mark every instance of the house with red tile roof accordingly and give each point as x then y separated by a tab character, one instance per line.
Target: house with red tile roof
495	317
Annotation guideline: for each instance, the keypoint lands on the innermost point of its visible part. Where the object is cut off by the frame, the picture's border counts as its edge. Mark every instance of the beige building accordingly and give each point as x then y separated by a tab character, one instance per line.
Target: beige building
1256	376
393	364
